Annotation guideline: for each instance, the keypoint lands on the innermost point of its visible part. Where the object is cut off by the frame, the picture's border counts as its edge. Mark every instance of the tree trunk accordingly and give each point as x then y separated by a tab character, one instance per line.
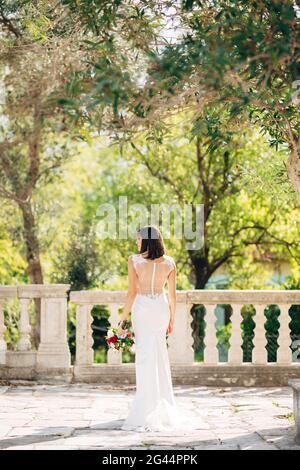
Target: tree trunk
33	260
293	169
201	271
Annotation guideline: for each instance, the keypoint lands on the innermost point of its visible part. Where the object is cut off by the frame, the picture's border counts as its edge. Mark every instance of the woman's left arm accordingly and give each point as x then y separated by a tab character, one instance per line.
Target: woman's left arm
131	294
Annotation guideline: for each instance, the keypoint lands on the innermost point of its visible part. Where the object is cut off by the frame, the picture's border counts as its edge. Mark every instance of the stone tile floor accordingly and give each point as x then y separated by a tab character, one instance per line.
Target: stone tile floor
81	416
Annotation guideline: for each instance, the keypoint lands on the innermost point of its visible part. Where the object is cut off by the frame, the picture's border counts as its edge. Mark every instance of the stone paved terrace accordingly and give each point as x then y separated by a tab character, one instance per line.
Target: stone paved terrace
80	416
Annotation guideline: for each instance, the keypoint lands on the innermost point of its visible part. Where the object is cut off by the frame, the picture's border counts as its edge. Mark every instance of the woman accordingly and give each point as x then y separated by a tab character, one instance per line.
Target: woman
153	316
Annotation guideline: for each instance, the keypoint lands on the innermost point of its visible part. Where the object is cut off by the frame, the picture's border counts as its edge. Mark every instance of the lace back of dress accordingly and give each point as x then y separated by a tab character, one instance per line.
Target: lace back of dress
152	275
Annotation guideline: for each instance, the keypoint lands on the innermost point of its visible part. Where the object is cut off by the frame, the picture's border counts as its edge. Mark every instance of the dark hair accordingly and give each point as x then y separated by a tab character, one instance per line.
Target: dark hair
152	241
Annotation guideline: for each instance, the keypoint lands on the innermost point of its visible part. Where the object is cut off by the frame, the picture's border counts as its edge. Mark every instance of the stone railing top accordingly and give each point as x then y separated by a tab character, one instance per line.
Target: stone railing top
32	291
216	296
98	296
244	296
206	296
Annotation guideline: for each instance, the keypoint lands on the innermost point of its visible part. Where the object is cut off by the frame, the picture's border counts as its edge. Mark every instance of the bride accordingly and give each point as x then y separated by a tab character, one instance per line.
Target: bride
152	315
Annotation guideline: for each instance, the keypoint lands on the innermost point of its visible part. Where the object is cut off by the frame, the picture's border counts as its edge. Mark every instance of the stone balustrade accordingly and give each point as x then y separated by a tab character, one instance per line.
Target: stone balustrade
180	343
52	359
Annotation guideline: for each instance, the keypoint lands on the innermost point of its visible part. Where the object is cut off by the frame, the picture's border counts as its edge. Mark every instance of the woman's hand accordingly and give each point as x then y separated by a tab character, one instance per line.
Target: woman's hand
122	327
120	331
170	328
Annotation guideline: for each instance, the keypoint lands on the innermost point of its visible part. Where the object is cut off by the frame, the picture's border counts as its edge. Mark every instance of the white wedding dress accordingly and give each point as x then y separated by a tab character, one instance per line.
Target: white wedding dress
154	407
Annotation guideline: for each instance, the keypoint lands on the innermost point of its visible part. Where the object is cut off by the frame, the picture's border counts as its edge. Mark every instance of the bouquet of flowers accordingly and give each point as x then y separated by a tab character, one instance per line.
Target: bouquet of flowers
123	343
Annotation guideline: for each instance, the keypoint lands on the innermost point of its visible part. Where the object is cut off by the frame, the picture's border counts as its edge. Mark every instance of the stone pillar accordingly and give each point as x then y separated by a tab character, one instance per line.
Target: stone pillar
211	353
114	357
180	342
3	346
53	352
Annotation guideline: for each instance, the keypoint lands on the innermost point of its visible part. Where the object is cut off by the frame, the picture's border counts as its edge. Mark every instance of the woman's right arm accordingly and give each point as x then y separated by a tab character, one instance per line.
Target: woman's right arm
172	298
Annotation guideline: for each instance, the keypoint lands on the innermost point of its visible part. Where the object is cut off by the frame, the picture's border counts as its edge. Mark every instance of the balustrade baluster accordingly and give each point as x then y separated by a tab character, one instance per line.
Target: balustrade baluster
211	353
24	343
84	335
284	353
235	355
259	354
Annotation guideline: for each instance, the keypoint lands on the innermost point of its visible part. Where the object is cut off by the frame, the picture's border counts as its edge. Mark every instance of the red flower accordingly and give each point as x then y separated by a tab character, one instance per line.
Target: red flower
129	334
112	339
